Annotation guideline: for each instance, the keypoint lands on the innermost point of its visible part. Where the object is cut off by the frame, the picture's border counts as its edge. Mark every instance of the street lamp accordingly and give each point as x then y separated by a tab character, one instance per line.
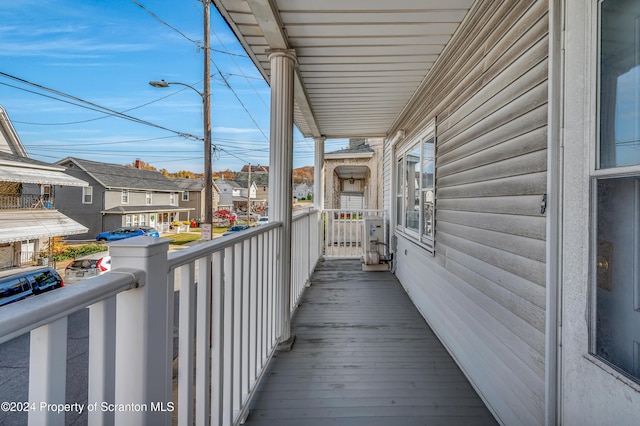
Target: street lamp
208	185
206	107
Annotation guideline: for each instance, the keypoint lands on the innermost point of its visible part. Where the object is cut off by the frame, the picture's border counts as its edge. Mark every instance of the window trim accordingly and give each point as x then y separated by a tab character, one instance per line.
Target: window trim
185	195
597	173
87	191
124	197
401	149
148	198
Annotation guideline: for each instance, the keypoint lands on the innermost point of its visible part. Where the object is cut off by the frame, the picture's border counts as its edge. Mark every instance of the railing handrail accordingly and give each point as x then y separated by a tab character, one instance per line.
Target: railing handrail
25	201
356	210
185	256
33	312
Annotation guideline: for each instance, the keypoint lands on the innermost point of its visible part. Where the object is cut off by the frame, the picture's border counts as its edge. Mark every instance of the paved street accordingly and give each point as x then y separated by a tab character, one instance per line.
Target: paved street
14	369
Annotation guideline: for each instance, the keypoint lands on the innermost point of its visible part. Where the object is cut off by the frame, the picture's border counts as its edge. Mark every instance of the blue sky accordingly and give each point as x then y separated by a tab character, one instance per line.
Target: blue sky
106	52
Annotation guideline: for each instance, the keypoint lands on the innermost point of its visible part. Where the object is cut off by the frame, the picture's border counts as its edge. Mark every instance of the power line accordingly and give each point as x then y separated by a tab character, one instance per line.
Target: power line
100	143
91	119
88	105
200	45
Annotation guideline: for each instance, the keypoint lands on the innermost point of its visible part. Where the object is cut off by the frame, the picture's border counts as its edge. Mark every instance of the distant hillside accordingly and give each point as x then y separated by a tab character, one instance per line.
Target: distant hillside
302	174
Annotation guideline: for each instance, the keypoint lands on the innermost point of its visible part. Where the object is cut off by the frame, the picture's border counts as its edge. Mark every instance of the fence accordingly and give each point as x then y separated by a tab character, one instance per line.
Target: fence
227	327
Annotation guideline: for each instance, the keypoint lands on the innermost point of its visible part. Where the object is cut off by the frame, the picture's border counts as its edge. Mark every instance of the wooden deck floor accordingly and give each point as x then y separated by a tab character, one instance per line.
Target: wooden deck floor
363	355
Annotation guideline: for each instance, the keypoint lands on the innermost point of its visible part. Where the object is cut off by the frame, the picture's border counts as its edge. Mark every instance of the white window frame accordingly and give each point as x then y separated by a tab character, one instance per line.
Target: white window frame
172	198
125	196
148	198
127	220
185	195
402	149
87	195
597	174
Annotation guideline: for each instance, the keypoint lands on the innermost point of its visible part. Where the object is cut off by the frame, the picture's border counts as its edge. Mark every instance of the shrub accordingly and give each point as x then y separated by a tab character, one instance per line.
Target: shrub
72	252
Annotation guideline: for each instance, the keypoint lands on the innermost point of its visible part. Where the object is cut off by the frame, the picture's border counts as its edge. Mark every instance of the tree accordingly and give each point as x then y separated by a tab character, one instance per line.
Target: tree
226	174
303	174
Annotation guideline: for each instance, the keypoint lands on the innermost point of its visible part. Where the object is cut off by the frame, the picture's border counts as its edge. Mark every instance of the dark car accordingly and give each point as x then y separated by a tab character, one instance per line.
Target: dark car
126	232
26	283
235	229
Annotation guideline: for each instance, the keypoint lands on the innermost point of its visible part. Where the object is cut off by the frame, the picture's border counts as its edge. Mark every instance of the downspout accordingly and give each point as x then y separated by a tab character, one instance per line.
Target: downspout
554	197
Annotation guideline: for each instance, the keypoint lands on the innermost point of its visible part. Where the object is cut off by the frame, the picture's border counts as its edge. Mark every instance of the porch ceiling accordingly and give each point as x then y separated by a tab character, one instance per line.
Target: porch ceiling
352	172
360	61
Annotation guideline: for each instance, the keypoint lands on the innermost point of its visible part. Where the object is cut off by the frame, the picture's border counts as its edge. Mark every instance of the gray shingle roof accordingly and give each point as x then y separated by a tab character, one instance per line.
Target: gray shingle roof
188	184
117	176
143	209
26	160
362	148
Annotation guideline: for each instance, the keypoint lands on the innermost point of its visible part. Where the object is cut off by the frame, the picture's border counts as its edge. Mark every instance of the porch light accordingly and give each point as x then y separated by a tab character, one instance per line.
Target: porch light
351	180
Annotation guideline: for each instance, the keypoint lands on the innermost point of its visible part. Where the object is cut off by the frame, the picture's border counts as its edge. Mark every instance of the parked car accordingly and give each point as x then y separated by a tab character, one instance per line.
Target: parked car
235	229
87	267
126	232
254	217
25	283
262	221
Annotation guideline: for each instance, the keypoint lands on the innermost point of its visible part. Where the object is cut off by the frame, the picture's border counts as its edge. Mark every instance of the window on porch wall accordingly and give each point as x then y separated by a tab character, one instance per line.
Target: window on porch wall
616	245
415	196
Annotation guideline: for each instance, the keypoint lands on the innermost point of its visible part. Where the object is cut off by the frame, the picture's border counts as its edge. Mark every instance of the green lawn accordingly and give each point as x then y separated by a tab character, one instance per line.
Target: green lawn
192	235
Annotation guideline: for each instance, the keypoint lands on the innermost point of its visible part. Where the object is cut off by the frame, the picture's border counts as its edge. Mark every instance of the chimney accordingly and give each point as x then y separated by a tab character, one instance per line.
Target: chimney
138	163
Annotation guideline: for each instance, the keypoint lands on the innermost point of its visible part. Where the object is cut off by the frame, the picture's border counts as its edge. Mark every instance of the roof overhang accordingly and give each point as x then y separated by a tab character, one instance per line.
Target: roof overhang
145	209
45	176
348	155
19	225
360	62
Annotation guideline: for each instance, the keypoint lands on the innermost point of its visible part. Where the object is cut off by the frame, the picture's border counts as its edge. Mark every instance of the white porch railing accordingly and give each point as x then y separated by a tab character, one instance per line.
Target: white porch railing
344	234
229	297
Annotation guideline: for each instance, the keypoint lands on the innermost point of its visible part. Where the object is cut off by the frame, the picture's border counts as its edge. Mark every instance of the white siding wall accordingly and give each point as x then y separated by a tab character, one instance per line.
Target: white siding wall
484	290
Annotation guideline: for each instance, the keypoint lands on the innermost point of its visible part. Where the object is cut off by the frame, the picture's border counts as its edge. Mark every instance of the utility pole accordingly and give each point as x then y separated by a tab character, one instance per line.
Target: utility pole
206	95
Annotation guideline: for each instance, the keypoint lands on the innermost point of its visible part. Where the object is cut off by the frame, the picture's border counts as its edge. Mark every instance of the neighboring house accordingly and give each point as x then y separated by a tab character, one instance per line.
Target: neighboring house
226	188
260	176
511	177
193	197
28	201
301	191
120	196
241	191
353	176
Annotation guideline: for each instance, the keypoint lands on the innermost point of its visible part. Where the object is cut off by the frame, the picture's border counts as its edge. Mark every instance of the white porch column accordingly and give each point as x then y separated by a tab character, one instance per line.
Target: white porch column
283	63
144	334
318	182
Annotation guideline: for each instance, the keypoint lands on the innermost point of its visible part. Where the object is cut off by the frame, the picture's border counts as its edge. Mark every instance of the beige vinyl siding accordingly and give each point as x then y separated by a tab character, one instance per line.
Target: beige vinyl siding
485	295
